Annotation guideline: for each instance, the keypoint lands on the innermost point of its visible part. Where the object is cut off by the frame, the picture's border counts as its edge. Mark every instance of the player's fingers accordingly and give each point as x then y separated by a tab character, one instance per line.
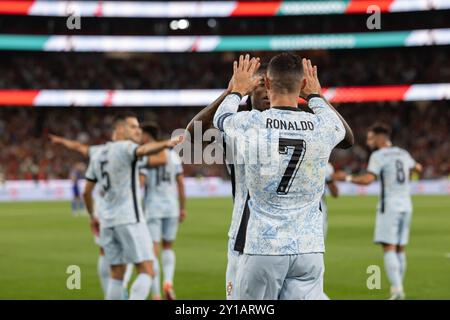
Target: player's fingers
253	65
235	66
315	73
246	62
241	62
310	69
305	67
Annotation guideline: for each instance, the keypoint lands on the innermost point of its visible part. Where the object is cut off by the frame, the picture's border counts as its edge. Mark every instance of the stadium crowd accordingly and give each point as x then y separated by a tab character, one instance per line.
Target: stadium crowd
27	153
212	70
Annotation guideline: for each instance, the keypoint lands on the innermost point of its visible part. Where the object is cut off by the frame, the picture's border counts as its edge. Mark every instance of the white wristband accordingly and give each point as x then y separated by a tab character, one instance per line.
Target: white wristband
349	178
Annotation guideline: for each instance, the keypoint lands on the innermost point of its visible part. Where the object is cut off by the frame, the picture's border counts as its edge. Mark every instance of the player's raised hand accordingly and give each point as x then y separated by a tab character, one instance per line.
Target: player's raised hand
174	141
244	81
310	83
55	139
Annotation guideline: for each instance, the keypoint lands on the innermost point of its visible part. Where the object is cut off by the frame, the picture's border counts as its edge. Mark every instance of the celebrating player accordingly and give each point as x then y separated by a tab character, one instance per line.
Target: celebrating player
164	206
391	165
257	100
281	231
123	234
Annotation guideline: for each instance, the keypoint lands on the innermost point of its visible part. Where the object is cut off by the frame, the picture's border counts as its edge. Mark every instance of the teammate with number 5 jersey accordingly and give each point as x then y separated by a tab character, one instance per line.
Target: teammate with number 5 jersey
391	166
285	152
123	234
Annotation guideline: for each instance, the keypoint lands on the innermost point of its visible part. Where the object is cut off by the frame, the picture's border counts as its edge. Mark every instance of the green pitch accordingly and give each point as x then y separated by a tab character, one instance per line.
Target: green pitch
39	240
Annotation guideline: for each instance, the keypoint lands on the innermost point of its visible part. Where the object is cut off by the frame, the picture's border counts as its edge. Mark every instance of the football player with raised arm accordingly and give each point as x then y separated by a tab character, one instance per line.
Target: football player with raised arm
285	152
123	232
390	165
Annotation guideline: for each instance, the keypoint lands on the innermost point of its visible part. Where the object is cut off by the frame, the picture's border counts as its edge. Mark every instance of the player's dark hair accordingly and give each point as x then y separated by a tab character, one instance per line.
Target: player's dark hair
285	72
121	118
152	129
381	128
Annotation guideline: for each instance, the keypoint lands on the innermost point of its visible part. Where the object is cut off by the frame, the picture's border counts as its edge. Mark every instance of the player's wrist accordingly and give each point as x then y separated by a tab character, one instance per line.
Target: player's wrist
238	93
313	95
349	178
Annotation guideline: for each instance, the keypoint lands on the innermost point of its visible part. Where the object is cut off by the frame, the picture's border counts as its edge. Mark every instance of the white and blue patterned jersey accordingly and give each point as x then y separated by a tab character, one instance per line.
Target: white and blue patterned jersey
98	199
92	150
114	169
161	192
328	179
285	152
236	169
392	167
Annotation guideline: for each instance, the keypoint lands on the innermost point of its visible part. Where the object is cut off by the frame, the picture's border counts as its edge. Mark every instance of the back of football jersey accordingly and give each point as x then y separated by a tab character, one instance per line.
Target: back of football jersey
392	166
286	180
114	169
161	193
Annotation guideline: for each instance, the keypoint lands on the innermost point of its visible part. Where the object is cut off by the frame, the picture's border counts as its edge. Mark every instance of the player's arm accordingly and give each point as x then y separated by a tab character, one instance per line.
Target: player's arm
181	196
155	147
89	202
362	179
159	159
311	92
70	144
334	190
242	83
206	115
418	168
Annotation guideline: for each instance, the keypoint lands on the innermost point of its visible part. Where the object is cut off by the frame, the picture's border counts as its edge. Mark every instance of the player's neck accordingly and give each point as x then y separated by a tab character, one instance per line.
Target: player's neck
279	100
386	144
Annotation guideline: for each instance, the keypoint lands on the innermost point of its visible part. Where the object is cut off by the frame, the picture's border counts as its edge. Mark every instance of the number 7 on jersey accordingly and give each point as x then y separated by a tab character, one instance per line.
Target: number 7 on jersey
299	147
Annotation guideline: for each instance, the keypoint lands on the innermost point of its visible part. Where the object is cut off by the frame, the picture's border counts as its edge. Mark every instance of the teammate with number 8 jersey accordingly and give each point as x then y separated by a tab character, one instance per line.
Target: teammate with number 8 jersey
391	166
285	152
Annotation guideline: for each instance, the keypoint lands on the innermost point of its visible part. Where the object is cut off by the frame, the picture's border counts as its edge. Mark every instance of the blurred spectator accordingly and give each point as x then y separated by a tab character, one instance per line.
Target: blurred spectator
422	128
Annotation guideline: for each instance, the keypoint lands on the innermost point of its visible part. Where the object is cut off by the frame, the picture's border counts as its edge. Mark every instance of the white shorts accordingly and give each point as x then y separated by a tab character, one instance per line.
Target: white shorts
232	266
127	243
392	227
163	228
290	277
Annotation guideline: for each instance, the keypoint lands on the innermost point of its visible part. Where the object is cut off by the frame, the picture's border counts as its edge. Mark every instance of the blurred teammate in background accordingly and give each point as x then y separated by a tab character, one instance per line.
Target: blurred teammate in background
165	208
257	100
282	246
123	234
392	166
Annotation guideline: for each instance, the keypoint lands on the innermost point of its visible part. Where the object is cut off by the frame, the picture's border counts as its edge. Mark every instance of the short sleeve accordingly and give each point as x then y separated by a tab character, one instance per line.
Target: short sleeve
142	165
177	164
329	173
128	149
92	150
375	164
329	119
90	174
411	162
